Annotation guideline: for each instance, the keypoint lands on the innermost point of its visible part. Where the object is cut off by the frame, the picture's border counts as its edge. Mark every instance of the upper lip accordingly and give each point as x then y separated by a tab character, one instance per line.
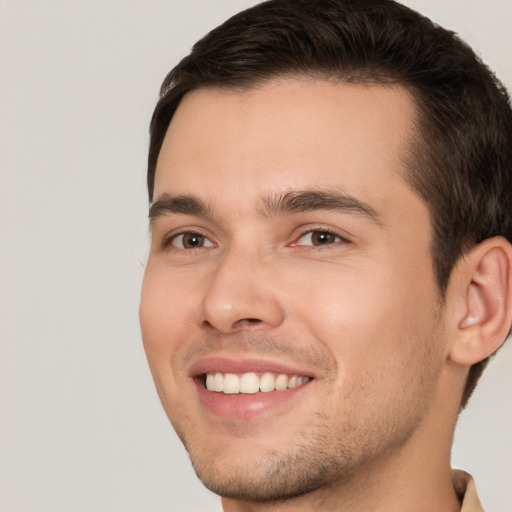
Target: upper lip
241	365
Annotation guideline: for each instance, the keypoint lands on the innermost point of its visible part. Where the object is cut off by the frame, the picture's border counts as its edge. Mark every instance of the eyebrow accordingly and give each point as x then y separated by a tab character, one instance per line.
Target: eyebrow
178	204
312	200
295	201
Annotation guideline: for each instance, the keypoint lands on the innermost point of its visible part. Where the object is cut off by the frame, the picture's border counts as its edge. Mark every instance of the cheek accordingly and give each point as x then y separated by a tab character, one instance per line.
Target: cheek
163	319
345	301
383	339
164	326
368	319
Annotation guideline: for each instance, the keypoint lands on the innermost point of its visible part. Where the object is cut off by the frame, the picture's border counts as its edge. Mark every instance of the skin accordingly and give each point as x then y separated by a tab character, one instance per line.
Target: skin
360	313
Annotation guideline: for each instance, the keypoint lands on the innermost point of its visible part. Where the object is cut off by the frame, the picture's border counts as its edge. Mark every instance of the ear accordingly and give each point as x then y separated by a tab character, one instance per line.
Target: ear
481	292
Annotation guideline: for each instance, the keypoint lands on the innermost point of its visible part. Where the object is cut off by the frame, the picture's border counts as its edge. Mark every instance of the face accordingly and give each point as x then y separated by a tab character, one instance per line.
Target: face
289	309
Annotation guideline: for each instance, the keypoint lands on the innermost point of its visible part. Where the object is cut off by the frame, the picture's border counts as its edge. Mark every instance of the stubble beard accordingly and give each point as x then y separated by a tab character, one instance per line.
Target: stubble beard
330	450
323	458
280	477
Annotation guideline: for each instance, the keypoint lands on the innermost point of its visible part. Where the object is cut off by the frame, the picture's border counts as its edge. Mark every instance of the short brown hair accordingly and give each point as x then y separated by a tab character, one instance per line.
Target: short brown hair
461	160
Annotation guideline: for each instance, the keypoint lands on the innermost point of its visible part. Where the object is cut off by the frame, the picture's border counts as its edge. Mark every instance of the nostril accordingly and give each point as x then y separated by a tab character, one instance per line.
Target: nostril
243	322
247	321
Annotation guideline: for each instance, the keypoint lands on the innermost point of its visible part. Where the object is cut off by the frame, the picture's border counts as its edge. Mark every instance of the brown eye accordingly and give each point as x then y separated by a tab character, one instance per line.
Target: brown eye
317	238
191	241
322	238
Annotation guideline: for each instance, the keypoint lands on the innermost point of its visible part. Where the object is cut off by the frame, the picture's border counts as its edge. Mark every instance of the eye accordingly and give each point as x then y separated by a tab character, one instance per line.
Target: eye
190	241
318	238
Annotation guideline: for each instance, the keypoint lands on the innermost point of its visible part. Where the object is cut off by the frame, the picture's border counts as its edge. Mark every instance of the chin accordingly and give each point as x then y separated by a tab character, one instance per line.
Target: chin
279	481
272	475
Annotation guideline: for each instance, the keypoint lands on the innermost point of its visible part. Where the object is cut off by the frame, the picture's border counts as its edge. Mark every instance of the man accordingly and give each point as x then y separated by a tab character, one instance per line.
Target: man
330	267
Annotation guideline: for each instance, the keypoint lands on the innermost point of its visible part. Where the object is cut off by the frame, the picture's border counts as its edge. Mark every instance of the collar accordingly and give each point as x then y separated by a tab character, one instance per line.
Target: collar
466	491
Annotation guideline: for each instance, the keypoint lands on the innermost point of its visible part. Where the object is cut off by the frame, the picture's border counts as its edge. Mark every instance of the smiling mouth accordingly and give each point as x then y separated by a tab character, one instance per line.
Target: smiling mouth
251	383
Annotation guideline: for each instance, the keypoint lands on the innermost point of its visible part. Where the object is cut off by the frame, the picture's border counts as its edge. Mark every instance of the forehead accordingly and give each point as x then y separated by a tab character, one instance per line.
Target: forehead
288	134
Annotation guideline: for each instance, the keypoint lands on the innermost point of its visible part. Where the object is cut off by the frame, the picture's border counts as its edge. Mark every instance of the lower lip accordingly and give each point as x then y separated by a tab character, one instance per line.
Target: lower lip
245	407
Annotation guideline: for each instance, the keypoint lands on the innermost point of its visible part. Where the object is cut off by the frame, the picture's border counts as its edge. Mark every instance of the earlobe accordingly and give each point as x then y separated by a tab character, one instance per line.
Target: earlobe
485	294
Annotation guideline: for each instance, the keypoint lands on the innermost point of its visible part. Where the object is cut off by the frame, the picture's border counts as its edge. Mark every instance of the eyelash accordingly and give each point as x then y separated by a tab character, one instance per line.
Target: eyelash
167	242
322	230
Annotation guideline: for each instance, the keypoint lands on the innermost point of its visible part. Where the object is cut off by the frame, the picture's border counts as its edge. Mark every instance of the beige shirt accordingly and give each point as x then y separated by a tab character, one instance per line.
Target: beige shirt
466	491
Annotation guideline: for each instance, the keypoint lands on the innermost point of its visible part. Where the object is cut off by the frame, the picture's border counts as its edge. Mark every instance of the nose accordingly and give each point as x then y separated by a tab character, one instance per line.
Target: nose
241	294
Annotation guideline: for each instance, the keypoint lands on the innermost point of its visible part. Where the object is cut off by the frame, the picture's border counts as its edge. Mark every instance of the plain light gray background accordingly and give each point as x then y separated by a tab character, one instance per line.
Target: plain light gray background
81	426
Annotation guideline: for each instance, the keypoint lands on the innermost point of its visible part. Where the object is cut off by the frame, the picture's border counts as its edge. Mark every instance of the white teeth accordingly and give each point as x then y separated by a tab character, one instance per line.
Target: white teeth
210	381
231	384
218	382
292	383
250	383
267	382
281	382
